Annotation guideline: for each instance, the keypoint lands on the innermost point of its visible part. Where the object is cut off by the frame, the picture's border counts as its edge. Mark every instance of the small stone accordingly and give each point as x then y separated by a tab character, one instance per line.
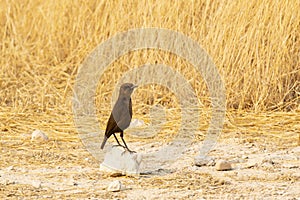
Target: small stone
10	168
115	186
36	184
117	160
252	163
267	165
267	161
223	165
9	182
38	135
211	162
72	182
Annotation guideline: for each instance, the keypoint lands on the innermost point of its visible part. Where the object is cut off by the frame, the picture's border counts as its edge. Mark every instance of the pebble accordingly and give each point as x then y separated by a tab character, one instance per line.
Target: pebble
252	163
211	163
268	160
38	135
36	184
8	182
115	186
267	163
222	165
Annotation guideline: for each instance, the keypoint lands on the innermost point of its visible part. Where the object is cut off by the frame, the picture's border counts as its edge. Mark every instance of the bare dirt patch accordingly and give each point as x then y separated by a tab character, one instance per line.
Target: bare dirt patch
264	166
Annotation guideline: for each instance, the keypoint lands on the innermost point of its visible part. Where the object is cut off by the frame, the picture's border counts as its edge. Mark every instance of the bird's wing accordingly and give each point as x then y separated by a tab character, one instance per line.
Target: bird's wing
111	126
123	123
120	118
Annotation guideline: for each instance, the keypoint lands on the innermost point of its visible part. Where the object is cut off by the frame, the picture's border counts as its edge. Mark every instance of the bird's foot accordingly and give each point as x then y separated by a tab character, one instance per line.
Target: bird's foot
127	150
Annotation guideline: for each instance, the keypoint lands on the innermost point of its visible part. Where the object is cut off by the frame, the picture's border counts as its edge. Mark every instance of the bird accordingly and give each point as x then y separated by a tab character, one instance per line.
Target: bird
120	116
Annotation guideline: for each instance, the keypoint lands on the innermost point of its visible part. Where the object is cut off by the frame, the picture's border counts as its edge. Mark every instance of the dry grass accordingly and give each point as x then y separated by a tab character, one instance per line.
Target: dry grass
254	44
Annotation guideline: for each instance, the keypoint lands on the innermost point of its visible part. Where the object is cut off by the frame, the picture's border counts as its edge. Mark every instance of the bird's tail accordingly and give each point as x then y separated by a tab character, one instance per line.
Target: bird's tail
104	141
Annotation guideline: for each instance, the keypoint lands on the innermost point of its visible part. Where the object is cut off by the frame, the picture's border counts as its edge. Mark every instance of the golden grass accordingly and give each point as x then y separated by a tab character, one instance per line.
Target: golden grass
254	44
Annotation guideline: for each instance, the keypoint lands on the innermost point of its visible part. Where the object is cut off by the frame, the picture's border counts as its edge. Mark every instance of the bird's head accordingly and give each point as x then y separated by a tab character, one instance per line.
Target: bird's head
127	89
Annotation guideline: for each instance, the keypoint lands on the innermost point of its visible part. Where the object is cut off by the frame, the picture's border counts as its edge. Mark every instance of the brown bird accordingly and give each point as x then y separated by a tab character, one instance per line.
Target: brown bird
121	115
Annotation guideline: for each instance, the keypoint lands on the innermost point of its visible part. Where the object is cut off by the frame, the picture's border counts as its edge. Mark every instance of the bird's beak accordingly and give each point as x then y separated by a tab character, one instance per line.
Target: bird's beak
134	86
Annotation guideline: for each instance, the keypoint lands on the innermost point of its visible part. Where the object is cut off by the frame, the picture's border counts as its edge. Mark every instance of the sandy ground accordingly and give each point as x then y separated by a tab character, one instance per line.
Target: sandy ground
57	169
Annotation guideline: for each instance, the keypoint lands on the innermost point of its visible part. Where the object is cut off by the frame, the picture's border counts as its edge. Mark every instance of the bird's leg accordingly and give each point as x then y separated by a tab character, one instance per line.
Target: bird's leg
126	147
117	141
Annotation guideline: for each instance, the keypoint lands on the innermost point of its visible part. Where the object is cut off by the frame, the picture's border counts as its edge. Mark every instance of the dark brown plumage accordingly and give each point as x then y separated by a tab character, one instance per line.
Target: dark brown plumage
121	115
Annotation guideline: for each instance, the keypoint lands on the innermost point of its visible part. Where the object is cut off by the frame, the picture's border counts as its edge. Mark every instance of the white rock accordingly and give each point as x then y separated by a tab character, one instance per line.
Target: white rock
39	135
115	186
118	160
222	165
252	163
268	161
8	182
10	168
36	184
